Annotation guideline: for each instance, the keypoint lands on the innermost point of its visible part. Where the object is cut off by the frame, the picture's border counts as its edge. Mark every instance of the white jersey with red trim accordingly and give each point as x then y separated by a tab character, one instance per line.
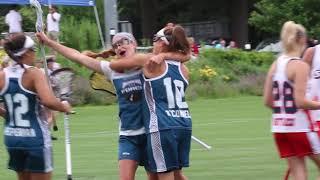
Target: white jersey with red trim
286	117
314	83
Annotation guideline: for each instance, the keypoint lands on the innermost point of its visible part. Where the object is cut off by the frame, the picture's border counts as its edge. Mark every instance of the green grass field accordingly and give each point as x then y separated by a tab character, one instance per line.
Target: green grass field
237	128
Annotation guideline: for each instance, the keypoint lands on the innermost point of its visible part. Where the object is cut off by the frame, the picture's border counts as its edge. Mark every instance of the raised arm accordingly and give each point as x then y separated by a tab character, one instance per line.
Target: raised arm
172	56
45	94
300	78
135	61
70	53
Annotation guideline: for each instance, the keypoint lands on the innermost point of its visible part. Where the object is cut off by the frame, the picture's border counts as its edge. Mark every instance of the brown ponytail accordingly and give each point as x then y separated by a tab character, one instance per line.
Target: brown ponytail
14	44
177	38
104	54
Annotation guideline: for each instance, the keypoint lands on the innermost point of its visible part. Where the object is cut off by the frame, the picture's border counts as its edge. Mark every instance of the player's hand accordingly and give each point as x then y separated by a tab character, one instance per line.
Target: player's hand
42	37
157	59
67	107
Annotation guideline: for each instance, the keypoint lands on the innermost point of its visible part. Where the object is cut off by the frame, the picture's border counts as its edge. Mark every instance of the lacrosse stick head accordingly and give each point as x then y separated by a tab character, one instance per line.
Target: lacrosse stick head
37	6
100	82
61	81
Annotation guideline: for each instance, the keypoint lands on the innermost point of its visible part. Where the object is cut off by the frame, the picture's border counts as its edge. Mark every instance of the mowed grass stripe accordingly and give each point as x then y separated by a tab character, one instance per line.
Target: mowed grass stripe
238	129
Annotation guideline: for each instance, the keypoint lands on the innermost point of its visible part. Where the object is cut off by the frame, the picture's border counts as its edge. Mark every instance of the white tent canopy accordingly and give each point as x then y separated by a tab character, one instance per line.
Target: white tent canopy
91	3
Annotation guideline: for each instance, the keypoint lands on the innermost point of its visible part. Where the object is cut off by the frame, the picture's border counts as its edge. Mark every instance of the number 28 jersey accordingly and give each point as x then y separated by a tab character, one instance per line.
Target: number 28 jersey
286	117
164	105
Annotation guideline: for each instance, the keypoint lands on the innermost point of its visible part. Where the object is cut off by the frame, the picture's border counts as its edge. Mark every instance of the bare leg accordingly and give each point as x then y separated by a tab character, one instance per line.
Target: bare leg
54	122
316	159
24	175
297	168
179	176
49	116
287	175
41	176
152	176
166	176
127	169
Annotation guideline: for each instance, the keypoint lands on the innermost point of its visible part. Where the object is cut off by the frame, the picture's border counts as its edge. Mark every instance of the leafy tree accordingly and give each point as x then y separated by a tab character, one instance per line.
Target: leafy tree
269	15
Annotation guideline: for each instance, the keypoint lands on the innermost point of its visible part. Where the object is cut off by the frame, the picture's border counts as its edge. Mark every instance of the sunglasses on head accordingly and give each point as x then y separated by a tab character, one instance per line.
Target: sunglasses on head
121	43
156	37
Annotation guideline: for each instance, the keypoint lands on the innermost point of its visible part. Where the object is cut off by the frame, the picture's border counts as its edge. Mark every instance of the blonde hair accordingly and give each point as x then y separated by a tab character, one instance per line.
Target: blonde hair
291	35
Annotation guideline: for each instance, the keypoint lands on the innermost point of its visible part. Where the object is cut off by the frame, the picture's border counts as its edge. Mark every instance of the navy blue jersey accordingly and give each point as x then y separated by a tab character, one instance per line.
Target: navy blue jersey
164	105
129	90
25	126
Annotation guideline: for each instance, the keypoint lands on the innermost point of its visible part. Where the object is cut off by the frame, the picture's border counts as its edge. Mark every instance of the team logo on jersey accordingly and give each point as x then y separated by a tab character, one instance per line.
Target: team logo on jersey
132	90
316	74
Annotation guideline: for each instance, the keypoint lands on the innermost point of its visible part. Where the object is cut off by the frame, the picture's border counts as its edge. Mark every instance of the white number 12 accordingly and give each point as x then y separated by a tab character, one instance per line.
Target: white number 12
18	111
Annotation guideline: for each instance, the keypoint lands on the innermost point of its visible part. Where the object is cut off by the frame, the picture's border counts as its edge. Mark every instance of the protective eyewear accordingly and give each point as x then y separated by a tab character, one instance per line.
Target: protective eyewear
121	43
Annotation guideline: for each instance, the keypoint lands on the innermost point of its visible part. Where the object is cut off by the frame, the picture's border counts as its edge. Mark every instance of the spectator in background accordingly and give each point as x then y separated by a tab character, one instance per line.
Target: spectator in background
221	44
232	45
14	20
193	47
53	20
52	66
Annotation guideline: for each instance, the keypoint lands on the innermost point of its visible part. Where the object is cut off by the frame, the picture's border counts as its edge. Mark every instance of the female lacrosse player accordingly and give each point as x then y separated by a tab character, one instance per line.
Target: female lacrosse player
294	131
26	131
166	115
129	89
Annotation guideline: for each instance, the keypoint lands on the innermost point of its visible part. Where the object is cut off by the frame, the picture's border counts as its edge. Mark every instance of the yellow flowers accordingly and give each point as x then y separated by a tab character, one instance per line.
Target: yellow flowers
2	55
225	77
207	73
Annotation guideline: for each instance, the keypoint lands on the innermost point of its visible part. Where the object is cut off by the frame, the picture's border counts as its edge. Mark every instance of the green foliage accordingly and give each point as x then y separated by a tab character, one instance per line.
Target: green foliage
269	15
3	26
218	73
29	18
80	35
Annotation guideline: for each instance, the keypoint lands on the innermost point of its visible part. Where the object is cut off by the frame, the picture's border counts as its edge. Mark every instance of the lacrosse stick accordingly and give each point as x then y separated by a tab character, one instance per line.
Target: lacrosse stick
61	80
39	28
100	82
201	143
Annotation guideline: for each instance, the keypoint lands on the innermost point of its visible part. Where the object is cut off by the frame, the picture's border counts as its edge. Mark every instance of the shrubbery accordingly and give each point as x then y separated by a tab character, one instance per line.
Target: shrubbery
218	73
215	74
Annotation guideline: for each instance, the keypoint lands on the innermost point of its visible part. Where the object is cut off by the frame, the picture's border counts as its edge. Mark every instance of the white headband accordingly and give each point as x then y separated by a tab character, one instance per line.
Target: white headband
121	35
28	43
163	36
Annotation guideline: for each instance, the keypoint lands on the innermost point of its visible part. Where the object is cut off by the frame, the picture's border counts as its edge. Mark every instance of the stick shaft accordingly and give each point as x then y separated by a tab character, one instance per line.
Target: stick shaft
67	145
201	142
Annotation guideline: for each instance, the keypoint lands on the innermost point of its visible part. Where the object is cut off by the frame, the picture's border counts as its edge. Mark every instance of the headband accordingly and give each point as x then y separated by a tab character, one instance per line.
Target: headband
28	43
163	36
123	35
